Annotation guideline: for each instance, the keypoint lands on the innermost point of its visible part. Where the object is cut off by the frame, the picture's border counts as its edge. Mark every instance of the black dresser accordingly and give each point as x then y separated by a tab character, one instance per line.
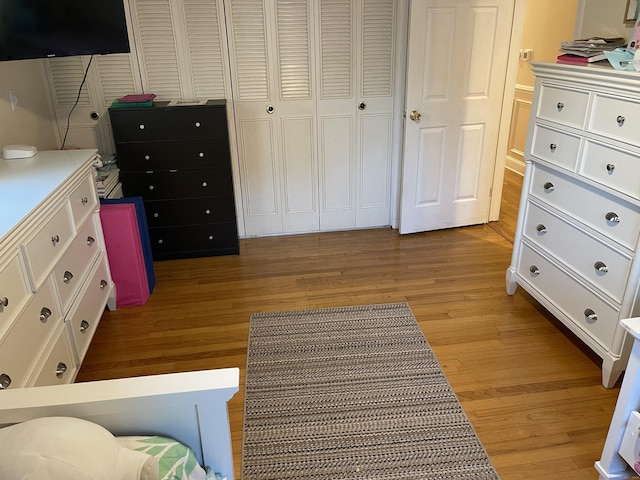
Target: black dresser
177	159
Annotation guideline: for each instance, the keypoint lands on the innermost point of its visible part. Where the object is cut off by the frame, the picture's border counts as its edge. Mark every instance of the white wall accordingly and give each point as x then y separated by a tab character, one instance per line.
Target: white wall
31	123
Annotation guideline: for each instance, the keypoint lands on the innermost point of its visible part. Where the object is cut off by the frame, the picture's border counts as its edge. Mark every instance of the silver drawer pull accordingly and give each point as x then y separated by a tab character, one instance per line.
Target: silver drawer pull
84	326
5	381
151	187
90	241
156	215
201	154
4	302
55	240
103	284
620	120
553	147
549	187
612	217
141	127
535	271
610	167
66	278
591	315
560	106
541	229
60	369
197	124
84	200
45	313
601	267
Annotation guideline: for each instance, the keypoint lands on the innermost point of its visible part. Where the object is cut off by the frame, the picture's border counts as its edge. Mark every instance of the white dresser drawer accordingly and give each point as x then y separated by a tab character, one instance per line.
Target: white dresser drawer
617	118
612	216
83	200
72	268
29	334
560	148
606	268
84	318
612	167
44	250
13	291
570	297
563	105
59	367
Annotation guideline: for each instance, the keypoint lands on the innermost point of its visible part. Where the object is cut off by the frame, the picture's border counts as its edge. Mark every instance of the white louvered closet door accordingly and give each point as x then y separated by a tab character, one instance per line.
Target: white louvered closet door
109	77
355	111
270	43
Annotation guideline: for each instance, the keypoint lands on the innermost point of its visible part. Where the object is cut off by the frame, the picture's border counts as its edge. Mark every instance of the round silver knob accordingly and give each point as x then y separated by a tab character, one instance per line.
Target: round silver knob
541	229
601	267
549	187
201	154
60	369
620	119
4	302
210	237
610	167
55	240
591	315
535	271
66	278
612	217
141	127
560	106
270	109
151	187
362	106
45	313
5	381
207	211
147	157
84	326
156	215
103	284
197	124
553	147
90	240
204	184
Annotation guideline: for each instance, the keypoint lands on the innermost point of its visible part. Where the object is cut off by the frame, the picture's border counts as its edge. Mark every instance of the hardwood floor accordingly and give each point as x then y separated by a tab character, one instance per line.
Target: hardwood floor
531	391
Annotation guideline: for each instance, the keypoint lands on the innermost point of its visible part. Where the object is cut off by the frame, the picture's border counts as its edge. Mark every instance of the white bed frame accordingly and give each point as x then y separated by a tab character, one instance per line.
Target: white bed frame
612	465
190	407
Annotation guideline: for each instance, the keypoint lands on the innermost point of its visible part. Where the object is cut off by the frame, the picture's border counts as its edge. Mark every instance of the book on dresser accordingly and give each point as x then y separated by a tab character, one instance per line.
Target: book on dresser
576	244
177	158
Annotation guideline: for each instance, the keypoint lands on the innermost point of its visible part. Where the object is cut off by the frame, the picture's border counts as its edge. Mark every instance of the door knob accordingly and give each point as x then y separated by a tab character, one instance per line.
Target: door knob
415	115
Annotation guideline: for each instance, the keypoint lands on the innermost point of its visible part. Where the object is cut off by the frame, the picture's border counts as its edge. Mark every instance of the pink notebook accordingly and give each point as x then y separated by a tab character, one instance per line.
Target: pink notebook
124	250
138	97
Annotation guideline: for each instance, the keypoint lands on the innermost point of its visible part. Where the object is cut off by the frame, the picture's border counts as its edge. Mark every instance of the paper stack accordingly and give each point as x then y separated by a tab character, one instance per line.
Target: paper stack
588	50
107	176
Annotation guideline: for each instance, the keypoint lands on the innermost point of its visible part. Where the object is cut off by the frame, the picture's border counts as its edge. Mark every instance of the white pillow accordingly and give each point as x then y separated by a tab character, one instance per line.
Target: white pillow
71	449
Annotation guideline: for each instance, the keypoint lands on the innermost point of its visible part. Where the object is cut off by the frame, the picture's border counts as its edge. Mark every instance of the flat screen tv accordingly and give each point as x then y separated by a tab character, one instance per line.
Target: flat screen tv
61	28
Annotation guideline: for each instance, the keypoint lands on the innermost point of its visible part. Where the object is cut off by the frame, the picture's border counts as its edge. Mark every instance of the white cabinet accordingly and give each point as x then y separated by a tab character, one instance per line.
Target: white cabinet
576	244
54	273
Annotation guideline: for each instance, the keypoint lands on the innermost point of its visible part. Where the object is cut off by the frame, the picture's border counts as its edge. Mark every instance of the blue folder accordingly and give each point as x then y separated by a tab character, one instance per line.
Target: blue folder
144	234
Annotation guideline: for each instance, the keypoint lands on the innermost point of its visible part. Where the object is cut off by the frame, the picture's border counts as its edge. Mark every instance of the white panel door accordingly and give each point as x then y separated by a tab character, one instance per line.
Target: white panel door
455	84
270	44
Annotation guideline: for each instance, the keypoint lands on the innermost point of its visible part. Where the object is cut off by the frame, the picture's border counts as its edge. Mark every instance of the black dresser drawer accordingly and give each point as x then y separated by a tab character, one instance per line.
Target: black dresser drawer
168	155
162	122
194	241
167	184
190	211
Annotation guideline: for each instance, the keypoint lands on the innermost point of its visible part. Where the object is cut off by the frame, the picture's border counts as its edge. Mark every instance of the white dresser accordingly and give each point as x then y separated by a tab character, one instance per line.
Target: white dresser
54	273
576	242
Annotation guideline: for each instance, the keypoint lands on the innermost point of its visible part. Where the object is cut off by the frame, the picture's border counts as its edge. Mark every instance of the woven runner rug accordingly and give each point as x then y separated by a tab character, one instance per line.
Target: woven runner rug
352	393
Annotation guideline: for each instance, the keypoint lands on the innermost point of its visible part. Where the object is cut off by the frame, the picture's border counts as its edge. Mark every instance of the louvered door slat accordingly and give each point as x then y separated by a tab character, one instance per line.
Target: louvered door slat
249	39
205	48
66	74
116	76
336	49
377	48
293	48
159	56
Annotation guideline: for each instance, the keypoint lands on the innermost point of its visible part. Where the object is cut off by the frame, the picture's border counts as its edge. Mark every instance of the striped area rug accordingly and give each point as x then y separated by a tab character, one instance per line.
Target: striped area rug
352	393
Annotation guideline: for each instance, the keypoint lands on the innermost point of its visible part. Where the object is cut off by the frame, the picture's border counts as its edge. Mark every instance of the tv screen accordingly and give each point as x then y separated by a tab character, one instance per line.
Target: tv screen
61	28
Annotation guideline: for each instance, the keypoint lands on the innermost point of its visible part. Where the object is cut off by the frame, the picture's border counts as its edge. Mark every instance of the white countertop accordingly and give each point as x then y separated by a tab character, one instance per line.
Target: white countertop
26	182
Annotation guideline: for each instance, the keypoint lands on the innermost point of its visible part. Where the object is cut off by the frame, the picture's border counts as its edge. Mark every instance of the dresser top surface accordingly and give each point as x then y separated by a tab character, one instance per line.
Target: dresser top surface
27	182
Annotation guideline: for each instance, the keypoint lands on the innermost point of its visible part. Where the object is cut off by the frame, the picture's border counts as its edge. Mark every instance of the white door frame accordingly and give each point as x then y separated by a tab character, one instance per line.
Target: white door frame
507	106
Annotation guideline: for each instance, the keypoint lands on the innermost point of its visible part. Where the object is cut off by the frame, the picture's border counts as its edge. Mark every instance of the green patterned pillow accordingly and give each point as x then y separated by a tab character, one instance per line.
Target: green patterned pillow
176	461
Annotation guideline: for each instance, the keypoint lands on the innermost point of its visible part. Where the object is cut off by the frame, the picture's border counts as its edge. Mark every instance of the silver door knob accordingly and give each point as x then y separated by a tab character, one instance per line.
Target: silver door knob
270	109
362	106
415	115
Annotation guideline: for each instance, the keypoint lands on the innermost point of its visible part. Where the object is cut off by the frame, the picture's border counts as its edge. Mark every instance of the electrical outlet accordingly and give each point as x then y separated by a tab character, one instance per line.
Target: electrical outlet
14	100
527	54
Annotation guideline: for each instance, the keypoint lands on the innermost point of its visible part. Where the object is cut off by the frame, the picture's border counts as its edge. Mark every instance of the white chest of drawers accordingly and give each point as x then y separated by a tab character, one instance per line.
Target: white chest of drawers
576	245
54	273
